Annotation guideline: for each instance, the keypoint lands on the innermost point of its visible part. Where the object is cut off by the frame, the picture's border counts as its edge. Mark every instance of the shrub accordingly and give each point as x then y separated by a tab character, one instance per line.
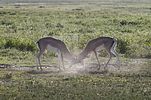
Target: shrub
122	46
125	22
22	44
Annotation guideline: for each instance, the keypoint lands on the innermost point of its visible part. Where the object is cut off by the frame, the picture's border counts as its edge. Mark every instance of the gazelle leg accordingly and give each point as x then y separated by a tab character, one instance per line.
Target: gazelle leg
41	51
59	59
117	57
113	51
62	61
38	59
97	59
110	56
82	62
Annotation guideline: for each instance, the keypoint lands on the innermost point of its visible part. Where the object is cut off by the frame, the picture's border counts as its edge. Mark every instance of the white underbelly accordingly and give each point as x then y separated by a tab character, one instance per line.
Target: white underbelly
99	48
56	51
52	49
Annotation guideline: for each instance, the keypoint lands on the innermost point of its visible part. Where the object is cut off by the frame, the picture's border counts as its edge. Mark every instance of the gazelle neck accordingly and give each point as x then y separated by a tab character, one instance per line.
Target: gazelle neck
83	54
67	54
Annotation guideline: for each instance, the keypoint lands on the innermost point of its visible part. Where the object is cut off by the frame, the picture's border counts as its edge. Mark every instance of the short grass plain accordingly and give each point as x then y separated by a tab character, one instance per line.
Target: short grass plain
75	23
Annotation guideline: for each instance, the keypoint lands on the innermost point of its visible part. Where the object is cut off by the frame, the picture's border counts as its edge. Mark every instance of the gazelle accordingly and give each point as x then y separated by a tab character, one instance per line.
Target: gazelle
94	45
56	46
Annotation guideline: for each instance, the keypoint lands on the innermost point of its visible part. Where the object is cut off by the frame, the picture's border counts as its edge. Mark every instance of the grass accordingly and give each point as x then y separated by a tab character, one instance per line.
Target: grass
23	85
22	27
131	82
75	24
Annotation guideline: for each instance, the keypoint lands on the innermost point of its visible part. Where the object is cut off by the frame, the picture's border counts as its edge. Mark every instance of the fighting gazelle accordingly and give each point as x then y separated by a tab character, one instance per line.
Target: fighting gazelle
94	45
56	46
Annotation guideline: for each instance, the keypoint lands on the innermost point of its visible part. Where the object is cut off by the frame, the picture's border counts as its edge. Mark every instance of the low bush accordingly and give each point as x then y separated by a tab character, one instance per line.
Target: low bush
122	46
22	44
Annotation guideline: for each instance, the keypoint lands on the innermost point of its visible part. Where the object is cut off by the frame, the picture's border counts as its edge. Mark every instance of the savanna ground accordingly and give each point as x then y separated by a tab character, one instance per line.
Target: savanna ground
75	23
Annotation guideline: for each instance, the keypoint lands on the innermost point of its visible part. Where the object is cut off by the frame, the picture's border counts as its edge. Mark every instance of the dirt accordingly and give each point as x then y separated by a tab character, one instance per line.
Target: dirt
127	66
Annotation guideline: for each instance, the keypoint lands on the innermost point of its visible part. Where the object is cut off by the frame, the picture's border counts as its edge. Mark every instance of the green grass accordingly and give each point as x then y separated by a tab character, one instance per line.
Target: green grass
25	86
22	25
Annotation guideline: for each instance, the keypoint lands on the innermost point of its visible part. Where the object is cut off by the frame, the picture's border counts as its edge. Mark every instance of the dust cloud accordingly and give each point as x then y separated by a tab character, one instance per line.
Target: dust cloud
127	66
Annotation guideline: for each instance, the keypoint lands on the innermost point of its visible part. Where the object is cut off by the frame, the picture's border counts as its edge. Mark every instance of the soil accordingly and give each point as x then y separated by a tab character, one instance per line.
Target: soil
127	66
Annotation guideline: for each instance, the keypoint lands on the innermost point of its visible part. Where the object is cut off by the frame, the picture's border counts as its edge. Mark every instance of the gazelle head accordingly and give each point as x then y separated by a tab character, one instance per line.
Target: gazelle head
76	60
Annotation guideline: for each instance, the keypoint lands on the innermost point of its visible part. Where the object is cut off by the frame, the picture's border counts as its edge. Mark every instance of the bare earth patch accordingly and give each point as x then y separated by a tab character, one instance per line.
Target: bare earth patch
127	66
